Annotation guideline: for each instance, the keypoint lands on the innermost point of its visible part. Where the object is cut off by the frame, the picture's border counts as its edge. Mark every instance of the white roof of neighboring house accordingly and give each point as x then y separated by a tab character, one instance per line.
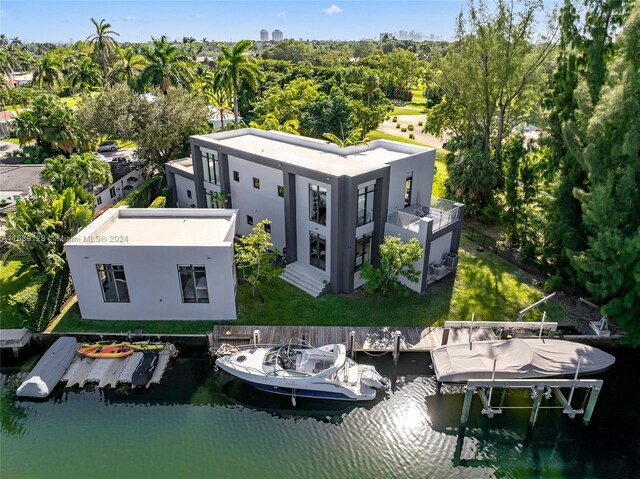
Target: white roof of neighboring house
314	154
159	227
214	115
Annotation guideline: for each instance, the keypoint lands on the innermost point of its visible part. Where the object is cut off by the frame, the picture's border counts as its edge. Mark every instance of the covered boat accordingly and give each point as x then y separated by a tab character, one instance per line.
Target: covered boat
516	359
49	370
302	371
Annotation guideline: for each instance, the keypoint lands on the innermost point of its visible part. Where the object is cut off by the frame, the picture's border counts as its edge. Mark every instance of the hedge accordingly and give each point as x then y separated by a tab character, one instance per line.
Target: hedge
159	202
41	301
144	194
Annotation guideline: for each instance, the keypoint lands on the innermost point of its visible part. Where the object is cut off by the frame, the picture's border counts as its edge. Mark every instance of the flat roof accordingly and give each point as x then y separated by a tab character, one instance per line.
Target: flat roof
314	154
183	164
159	227
20	177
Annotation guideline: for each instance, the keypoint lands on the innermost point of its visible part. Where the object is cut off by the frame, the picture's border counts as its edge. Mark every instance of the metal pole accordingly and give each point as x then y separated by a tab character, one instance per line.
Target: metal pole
466	406
537	400
521	314
473	317
493	378
256	338
544	314
593	398
575	378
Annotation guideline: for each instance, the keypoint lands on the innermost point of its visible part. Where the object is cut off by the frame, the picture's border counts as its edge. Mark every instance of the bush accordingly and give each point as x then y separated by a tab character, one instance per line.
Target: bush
403	130
41	301
420	123
412	136
410	127
397	125
159	202
553	284
395	118
144	194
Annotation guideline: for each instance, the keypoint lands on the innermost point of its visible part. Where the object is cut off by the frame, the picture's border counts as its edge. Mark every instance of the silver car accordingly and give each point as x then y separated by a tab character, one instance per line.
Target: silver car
108	146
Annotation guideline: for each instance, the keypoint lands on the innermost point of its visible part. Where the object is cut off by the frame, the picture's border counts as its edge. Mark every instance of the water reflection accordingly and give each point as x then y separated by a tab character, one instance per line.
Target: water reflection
13	415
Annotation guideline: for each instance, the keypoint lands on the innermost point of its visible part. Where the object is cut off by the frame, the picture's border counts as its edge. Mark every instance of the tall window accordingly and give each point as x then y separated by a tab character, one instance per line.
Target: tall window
318	251
408	186
99	200
365	205
193	280
363	251
211	167
112	192
113	282
318	204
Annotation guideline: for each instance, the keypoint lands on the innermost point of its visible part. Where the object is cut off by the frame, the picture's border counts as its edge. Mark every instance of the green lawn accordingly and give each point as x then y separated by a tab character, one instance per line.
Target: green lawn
12	140
484	284
379	135
403	110
15	275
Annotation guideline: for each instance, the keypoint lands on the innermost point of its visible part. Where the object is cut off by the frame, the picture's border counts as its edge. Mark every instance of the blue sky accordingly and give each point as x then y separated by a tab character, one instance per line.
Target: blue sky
60	21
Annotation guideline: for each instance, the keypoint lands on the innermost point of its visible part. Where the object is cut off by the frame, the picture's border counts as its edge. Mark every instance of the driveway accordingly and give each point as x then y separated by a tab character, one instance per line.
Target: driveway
389	127
7	147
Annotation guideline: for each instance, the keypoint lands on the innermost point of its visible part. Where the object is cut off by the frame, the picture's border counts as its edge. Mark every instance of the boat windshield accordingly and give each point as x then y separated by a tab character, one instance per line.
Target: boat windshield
298	360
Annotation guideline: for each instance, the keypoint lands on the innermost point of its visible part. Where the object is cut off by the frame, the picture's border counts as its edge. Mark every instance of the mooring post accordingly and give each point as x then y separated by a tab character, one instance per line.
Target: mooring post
466	407
493	378
593	398
256	338
352	343
473	317
537	395
575	378
396	347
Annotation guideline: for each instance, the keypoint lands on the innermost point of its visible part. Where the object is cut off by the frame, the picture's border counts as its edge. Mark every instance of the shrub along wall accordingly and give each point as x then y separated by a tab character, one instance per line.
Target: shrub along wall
144	194
41	301
159	202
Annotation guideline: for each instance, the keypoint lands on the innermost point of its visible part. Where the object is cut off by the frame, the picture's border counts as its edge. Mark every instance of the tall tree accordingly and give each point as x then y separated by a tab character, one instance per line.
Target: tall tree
233	68
610	266
127	67
167	65
85	74
84	170
49	71
103	43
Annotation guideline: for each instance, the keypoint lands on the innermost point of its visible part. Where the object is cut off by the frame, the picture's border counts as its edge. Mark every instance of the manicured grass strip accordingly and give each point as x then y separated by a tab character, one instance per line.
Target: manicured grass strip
398	111
485	284
15	275
379	135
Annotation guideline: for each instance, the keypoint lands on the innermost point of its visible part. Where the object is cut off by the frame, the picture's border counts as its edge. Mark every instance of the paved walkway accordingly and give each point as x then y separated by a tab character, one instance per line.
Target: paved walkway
389	127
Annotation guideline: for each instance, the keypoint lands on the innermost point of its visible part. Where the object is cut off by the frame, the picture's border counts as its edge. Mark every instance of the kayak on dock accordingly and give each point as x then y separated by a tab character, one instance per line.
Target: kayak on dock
136	345
106	351
51	367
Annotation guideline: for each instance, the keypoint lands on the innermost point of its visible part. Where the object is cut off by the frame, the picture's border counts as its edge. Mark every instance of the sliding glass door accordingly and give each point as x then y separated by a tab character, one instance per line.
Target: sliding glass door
318	251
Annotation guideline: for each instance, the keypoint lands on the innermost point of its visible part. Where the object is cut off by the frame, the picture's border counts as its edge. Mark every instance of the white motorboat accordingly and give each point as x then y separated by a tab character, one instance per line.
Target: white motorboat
302	371
516	359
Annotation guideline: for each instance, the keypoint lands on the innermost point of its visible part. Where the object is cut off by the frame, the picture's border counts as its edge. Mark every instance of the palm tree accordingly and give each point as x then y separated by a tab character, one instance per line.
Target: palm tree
167	65
103	42
129	65
15	41
233	68
352	139
4	41
85	74
217	97
84	170
48	72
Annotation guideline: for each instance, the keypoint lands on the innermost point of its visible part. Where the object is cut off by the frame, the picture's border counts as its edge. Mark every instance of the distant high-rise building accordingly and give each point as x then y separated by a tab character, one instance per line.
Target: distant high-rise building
402	35
276	36
264	35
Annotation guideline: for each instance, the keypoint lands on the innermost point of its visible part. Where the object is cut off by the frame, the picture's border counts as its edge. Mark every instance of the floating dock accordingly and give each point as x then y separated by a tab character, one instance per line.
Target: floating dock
111	372
14	339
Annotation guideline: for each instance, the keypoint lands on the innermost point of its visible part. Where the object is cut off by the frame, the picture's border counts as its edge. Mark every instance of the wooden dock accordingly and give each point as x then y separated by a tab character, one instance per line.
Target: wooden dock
14	339
369	339
111	372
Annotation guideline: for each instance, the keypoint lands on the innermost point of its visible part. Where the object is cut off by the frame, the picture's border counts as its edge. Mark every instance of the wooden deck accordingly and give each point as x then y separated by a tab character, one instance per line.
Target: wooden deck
371	339
14	339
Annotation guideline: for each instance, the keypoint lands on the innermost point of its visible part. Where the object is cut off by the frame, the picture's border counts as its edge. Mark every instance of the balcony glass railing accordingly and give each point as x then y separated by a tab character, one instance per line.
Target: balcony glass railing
441	211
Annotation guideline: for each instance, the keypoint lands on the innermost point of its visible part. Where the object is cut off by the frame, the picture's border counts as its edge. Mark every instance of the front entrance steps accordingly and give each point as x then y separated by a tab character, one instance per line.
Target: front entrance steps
305	278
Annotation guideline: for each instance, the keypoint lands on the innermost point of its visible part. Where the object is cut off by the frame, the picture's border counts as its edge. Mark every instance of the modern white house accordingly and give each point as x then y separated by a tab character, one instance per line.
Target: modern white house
330	207
156	264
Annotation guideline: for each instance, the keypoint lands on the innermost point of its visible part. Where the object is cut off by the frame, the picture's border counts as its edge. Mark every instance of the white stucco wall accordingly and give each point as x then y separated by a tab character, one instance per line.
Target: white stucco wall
182	199
304	225
440	247
422	167
260	203
153	282
105	196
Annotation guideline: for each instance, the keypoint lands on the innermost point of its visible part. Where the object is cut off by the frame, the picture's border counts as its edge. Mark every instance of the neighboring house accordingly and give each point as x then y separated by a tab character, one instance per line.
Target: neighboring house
7	118
18	78
219	123
330	207
16	181
184	186
155	264
127	175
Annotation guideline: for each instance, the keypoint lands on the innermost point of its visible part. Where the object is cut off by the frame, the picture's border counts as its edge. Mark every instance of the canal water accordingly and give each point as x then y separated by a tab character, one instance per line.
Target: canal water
200	424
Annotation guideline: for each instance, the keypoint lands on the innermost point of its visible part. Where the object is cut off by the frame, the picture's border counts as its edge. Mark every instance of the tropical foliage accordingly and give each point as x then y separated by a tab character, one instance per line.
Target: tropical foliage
396	262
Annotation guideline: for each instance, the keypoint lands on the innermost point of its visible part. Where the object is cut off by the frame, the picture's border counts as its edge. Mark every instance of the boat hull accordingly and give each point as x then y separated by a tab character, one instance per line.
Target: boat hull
47	373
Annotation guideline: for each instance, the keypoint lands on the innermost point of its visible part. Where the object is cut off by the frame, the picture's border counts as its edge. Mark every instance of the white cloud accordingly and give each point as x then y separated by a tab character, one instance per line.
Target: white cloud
281	14
332	9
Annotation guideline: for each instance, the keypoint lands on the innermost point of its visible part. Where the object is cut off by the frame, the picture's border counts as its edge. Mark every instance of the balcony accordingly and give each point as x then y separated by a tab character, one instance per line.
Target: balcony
440	212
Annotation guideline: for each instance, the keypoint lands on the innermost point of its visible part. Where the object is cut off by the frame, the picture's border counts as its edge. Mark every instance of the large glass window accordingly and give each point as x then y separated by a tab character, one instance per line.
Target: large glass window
113	282
408	186
318	251
193	281
363	251
365	205
318	204
211	167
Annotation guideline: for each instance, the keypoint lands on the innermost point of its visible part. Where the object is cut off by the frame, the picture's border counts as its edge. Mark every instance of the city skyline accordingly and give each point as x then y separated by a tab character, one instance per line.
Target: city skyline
65	21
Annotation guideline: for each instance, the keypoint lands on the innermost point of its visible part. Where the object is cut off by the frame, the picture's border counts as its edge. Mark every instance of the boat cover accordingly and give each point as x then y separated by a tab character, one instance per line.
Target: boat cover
49	370
516	359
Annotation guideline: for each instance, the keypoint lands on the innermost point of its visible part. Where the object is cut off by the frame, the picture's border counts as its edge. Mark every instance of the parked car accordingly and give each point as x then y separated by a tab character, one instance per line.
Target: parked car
108	146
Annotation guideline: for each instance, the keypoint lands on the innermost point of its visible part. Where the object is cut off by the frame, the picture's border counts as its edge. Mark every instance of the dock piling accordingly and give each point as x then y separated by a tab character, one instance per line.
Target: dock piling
256	338
396	347
352	343
593	398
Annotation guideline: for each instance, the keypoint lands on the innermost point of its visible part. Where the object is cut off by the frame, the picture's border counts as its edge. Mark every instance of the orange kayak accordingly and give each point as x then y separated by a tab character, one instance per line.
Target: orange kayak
106	351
